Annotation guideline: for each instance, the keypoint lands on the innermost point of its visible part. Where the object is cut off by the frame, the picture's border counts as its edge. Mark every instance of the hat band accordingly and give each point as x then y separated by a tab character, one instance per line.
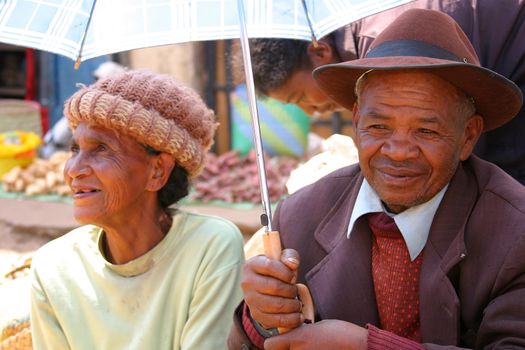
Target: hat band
411	48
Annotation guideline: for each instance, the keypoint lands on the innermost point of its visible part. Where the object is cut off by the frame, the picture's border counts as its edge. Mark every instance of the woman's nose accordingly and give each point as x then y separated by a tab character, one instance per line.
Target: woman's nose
77	166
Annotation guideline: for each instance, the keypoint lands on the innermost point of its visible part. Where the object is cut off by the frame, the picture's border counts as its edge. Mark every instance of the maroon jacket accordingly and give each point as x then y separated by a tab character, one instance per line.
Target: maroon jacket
496	29
472	284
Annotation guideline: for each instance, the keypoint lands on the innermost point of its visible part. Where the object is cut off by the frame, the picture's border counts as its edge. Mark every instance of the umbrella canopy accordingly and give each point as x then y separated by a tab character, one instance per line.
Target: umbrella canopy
90	28
82	29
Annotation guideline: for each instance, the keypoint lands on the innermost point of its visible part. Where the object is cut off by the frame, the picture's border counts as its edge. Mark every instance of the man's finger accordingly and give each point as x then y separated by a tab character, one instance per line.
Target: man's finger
280	342
268	321
291	258
275	305
273	268
259	284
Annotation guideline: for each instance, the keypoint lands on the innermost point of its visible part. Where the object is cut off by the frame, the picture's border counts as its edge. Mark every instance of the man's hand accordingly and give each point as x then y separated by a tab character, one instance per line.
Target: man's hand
326	335
270	291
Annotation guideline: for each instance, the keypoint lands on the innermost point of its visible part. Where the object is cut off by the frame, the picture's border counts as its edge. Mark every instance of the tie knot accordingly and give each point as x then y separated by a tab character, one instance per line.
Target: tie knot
383	225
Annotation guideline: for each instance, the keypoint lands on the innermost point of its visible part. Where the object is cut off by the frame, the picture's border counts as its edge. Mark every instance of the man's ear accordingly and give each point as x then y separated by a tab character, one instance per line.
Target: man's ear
355	116
163	165
321	54
473	130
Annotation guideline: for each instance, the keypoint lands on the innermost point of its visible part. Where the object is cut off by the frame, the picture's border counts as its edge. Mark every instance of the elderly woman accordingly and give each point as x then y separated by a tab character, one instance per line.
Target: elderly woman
137	275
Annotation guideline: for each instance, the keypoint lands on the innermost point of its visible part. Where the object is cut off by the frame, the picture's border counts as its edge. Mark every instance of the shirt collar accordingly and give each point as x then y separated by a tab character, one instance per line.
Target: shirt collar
414	223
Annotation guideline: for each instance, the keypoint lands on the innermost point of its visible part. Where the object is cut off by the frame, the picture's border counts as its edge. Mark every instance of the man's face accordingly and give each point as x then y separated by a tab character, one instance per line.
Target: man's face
301	90
410	136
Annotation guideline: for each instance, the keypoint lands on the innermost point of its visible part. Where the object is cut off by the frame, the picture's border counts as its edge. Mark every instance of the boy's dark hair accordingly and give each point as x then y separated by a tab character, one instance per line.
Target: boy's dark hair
275	60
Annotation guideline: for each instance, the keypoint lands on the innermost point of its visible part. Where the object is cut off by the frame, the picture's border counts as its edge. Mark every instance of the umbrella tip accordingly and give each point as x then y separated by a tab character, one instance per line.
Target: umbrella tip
77	63
314	41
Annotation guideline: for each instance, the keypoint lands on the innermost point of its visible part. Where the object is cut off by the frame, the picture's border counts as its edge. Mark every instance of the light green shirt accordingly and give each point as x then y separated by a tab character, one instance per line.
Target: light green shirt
179	295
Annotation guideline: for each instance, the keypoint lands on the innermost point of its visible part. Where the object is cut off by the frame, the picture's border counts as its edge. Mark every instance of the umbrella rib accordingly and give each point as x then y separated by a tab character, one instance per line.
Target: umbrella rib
309	20
77	62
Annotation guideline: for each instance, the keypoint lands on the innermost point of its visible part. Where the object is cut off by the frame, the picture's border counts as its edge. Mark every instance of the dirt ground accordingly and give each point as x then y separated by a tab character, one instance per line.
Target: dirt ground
16	246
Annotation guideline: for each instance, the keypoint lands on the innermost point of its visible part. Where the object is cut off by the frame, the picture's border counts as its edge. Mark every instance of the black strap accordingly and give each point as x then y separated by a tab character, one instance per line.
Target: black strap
411	48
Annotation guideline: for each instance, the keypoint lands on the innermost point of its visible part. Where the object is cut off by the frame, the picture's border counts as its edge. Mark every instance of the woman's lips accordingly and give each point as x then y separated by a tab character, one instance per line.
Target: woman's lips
83	192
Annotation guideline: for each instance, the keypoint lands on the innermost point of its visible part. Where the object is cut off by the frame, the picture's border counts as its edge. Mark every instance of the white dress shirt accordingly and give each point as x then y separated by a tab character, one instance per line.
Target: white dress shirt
414	223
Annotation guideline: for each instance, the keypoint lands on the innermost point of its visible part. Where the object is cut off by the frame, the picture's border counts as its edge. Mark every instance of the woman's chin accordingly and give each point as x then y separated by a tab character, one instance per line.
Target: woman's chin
86	217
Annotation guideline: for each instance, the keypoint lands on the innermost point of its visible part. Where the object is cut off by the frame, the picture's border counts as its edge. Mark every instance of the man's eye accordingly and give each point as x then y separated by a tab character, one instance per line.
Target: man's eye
427	132
378	126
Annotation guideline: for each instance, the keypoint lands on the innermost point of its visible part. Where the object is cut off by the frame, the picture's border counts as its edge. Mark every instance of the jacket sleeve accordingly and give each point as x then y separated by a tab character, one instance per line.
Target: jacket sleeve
238	339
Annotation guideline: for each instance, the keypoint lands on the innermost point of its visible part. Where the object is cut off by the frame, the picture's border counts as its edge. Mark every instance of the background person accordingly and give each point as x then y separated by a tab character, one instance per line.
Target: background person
282	68
138	274
421	245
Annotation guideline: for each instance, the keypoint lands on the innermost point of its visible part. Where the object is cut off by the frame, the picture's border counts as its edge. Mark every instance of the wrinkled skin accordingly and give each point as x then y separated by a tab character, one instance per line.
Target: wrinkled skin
410	140
114	183
409	136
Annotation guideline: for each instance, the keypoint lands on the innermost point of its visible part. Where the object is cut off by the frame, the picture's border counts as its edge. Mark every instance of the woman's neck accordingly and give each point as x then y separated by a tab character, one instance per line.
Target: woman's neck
124	244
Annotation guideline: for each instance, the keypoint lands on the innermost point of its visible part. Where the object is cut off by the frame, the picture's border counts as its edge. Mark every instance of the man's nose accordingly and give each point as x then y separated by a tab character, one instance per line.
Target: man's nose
400	147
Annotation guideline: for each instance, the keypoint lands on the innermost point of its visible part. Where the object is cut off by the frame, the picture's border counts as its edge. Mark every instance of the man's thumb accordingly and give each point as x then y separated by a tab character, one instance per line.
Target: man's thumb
290	257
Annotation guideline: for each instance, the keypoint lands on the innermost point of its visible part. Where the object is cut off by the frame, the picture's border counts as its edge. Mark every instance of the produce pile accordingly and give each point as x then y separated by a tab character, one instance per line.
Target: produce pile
234	179
40	177
228	177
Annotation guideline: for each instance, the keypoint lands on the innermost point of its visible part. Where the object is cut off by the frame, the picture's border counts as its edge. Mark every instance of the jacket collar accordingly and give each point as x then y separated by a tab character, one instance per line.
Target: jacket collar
332	230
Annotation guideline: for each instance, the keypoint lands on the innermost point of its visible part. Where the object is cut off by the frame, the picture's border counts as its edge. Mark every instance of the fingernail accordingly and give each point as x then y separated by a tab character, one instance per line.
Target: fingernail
293	260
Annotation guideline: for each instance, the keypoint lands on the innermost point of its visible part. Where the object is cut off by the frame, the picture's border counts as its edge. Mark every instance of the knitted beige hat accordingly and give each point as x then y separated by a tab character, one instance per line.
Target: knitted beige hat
155	109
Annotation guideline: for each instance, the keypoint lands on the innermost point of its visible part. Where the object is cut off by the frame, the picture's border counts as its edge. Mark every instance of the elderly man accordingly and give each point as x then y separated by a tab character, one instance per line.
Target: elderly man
282	67
422	245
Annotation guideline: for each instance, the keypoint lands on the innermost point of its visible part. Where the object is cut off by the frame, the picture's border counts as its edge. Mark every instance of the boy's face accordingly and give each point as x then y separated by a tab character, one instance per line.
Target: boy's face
302	90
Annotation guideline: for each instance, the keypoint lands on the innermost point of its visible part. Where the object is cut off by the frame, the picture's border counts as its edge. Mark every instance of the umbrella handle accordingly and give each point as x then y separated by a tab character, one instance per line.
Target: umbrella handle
273	249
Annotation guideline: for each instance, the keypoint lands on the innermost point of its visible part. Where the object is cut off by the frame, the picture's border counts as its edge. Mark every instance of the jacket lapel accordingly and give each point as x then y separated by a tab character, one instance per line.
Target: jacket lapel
445	248
342	287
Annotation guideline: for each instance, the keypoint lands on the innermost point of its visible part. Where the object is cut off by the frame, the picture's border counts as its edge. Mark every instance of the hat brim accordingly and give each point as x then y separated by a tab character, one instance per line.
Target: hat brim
497	99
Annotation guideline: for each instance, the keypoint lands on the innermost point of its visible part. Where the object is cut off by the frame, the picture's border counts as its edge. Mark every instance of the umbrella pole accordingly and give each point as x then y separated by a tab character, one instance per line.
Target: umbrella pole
266	217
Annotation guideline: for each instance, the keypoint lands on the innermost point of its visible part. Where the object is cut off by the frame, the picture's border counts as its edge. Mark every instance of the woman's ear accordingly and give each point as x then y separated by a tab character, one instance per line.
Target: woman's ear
163	165
321	54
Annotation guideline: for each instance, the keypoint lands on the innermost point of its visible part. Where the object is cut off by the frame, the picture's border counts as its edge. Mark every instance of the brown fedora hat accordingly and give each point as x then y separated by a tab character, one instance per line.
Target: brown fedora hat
431	41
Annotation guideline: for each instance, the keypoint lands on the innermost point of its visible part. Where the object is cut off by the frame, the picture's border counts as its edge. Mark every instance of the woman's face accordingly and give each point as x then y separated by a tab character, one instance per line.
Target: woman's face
109	175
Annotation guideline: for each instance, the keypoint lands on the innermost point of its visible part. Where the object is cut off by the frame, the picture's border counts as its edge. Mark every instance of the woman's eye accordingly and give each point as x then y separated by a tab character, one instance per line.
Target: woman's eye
102	148
73	148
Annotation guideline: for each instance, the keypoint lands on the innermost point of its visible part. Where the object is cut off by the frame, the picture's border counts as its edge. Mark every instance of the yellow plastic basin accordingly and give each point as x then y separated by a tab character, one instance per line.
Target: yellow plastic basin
17	148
